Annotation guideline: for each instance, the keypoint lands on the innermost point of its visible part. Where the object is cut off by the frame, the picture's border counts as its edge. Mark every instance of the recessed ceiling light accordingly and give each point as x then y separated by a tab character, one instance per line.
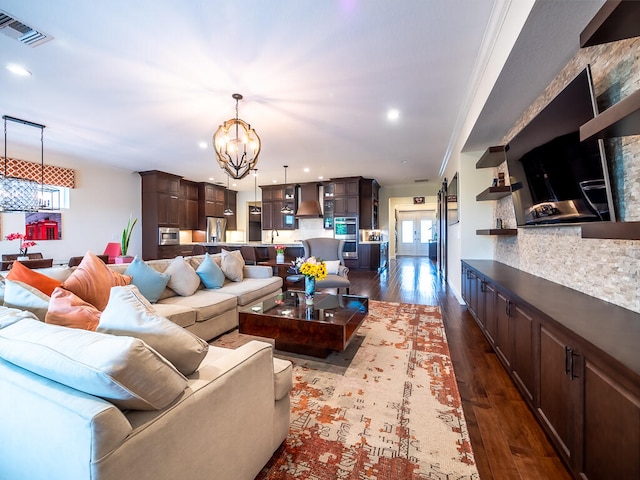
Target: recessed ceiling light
274	181
211	179
234	184
320	177
393	114
203	145
18	70
306	170
403	161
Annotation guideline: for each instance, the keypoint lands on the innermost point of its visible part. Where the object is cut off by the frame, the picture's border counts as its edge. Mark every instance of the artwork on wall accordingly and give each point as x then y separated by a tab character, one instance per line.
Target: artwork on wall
43	226
418	200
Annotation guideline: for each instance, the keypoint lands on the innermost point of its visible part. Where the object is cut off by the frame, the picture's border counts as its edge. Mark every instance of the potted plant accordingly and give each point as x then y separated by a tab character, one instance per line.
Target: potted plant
24	245
124	242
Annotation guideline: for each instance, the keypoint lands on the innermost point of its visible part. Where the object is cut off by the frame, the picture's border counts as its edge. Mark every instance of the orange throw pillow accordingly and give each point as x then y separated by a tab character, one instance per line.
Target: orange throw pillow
69	310
38	280
92	281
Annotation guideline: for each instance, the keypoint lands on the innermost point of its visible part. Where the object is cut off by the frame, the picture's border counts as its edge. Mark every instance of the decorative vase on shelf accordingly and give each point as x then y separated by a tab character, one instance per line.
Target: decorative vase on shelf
309	289
280	258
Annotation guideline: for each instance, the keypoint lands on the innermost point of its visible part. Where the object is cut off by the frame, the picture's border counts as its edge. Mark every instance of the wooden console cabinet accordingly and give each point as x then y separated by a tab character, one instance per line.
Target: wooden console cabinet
574	358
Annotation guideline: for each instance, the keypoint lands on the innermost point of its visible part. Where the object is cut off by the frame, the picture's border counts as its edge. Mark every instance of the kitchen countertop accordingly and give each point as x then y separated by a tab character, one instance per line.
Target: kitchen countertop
373	242
249	244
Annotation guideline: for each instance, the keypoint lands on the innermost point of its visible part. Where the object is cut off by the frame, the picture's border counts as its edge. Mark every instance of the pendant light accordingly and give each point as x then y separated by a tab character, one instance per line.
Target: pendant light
21	194
255	210
227	210
286	210
237	145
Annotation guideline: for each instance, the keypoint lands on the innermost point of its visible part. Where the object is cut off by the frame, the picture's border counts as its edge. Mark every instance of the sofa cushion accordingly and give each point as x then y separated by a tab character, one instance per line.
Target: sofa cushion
122	370
9	316
181	315
251	289
205	303
25	297
92	280
68	310
184	279
210	273
26	275
130	313
149	281
232	265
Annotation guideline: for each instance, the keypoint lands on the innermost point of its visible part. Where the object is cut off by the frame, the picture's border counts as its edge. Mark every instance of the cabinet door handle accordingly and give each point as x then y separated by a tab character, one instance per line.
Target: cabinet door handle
573	371
567	353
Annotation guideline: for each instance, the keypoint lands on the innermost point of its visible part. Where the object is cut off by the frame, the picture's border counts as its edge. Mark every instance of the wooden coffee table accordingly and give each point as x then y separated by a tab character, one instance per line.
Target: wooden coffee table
328	325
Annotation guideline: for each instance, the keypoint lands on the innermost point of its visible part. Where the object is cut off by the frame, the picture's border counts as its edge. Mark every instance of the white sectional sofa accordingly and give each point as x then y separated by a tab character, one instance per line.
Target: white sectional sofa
61	412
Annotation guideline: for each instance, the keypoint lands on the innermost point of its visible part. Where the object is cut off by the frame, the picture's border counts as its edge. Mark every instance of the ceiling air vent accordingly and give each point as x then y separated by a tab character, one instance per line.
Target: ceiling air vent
421	180
23	33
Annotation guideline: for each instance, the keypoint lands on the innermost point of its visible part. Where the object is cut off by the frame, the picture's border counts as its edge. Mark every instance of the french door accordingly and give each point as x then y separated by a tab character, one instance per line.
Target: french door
415	231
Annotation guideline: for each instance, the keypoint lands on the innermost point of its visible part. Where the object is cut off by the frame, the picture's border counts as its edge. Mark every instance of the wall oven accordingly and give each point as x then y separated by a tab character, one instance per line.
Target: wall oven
346	228
168	236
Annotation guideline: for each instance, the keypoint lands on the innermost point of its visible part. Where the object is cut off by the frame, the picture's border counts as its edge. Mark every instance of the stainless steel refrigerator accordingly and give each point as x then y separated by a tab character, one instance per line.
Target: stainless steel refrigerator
216	229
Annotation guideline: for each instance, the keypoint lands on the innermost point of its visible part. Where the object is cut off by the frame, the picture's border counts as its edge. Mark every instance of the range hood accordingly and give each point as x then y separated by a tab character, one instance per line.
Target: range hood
309	206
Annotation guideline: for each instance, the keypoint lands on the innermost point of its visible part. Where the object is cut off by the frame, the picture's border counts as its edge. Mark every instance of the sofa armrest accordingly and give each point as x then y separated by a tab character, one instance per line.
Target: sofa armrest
343	271
257	271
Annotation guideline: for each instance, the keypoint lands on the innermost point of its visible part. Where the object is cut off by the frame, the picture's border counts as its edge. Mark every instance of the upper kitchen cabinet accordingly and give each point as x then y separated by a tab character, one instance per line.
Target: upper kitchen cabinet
368	217
274	198
160	208
188	205
161	198
211	202
346	196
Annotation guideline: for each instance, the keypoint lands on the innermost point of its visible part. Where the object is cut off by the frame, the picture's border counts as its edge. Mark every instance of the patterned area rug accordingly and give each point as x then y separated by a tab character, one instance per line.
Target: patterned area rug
386	408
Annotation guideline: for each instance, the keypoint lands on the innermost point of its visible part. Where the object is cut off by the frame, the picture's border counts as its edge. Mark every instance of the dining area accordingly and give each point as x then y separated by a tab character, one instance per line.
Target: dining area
31	260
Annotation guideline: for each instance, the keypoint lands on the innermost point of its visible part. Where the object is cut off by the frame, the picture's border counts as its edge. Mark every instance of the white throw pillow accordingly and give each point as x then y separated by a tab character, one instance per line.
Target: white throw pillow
184	279
332	266
130	313
232	265
25	297
122	370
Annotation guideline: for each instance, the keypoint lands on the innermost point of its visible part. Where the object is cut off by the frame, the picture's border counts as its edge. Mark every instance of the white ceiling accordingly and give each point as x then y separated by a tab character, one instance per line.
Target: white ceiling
139	84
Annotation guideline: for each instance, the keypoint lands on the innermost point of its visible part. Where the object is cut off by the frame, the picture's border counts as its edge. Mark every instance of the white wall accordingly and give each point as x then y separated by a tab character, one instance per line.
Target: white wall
100	206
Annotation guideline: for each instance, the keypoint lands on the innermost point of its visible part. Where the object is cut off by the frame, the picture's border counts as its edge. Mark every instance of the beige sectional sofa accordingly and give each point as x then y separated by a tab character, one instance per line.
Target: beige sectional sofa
211	312
224	420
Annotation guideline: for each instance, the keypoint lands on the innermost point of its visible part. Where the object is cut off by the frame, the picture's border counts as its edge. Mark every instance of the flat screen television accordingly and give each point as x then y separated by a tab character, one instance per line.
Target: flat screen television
555	178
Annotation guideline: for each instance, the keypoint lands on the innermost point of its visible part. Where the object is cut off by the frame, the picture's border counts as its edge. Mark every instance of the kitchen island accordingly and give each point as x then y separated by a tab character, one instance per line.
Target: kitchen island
254	252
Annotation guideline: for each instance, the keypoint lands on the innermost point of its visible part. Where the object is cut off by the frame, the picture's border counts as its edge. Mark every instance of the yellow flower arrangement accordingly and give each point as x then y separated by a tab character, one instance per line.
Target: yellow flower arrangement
312	267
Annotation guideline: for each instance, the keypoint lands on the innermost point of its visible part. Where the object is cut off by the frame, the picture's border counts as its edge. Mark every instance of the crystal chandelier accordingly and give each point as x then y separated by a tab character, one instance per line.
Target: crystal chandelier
237	146
21	194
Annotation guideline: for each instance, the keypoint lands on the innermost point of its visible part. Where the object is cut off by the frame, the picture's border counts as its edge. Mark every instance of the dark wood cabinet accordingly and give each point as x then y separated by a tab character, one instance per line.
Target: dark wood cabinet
160	208
274	198
522	328
188	205
373	256
211	200
368	215
573	358
559	393
346	199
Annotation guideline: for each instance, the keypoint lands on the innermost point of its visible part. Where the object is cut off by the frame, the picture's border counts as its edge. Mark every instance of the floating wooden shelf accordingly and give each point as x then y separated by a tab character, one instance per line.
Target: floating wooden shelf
507	232
493	157
619	120
612	230
616	20
494	193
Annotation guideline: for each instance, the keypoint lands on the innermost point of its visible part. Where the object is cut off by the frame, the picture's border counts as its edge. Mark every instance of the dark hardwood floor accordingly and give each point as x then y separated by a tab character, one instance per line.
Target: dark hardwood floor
507	441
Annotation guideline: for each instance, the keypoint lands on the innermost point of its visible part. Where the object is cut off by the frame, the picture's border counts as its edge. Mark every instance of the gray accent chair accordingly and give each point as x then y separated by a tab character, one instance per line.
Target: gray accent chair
328	249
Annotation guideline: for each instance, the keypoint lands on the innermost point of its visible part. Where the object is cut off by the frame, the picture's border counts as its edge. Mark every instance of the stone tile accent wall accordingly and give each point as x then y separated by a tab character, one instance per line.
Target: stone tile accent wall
606	269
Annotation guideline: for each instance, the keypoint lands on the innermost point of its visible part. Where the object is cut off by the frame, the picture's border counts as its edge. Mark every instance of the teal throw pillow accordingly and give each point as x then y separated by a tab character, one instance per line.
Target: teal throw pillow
150	282
210	273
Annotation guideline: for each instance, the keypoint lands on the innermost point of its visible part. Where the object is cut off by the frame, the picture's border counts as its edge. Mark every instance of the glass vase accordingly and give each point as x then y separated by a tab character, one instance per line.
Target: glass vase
280	258
309	289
